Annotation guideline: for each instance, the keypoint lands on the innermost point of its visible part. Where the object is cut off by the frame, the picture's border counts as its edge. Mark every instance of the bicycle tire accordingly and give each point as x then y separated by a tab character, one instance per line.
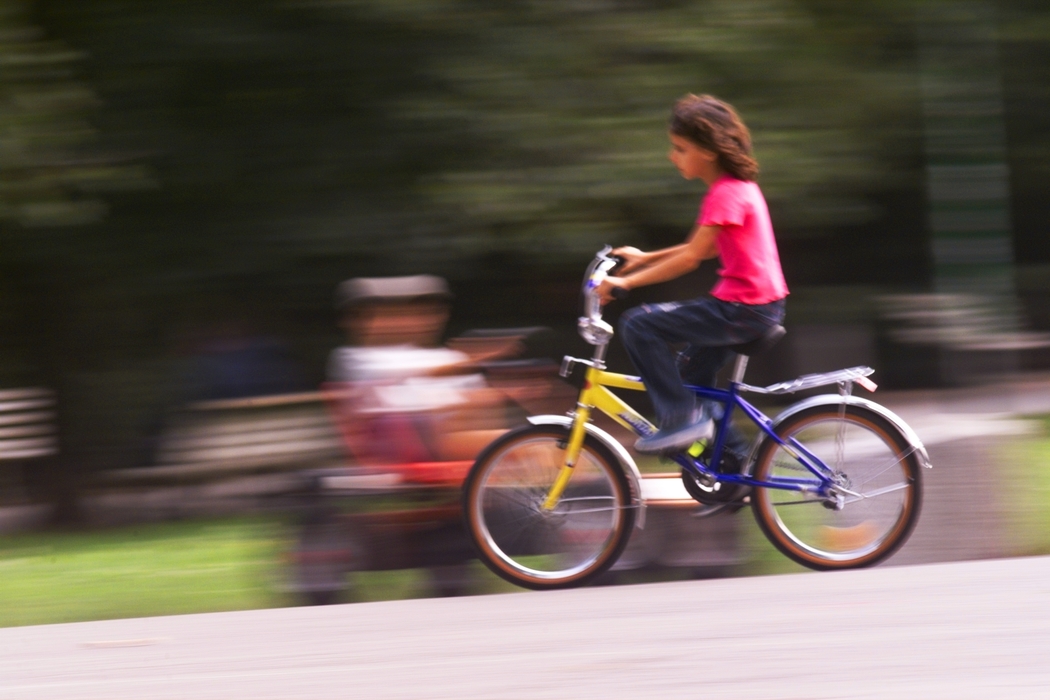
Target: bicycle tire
875	460
531	547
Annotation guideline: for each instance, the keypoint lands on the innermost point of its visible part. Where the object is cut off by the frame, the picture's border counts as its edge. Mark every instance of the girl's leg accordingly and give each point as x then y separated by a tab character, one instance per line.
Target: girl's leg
699	366
648	331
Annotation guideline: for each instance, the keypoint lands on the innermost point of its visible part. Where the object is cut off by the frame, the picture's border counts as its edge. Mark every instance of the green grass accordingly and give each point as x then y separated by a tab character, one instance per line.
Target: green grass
171	569
1028	491
156	569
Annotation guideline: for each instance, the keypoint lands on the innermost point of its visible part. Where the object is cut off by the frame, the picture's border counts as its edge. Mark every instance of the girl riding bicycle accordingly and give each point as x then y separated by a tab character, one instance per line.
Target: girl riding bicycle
708	142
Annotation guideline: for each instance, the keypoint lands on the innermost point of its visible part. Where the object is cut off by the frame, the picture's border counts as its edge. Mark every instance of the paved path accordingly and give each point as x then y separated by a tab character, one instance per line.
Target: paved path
952	631
1023	394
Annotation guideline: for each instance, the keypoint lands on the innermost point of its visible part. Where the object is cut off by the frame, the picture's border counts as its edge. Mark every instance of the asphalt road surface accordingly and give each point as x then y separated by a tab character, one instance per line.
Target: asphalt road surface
953	631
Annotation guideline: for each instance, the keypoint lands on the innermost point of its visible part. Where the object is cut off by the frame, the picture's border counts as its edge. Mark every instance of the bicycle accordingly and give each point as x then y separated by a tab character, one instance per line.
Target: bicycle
553	504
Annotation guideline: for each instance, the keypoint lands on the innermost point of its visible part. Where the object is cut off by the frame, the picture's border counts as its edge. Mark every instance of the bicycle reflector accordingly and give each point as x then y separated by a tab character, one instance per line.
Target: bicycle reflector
867	383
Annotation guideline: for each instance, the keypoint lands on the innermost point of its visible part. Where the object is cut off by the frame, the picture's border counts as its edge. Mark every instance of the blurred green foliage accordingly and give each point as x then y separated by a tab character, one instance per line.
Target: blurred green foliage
170	170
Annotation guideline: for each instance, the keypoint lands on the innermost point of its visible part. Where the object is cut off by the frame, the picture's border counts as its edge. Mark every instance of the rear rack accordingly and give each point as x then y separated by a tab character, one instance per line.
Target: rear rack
808	381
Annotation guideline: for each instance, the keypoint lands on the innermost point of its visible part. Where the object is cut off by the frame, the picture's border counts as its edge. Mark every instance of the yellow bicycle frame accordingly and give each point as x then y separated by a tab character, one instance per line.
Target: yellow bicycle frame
594	394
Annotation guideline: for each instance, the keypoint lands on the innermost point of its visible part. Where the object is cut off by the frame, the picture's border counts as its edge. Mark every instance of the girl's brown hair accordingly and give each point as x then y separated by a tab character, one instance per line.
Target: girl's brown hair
712	124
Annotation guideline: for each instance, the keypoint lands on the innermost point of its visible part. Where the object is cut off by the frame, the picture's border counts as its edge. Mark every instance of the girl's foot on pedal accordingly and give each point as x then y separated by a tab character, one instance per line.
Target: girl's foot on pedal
665	440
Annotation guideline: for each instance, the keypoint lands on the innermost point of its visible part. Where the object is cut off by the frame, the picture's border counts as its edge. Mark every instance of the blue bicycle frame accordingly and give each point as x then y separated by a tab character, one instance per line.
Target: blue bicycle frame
731	400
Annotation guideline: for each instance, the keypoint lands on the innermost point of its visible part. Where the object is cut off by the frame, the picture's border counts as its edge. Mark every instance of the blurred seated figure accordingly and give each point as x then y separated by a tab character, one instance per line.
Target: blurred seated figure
403	397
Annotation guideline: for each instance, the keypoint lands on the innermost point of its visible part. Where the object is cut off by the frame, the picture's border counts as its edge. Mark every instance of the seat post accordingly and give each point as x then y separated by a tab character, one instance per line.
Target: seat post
739	368
745	350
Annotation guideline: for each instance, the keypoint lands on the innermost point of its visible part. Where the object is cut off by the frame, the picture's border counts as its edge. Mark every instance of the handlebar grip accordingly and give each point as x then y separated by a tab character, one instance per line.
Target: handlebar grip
620	293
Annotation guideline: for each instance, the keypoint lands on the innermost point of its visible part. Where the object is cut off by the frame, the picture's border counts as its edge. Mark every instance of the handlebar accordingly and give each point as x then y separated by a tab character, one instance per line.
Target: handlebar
591	326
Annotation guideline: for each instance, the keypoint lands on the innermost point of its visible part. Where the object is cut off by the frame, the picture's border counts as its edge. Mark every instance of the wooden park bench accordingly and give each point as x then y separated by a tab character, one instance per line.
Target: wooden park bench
27	434
222	456
229	438
27	424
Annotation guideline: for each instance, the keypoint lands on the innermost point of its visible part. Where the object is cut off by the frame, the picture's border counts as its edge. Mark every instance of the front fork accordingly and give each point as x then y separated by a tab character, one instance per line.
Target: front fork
578	431
572	452
595	394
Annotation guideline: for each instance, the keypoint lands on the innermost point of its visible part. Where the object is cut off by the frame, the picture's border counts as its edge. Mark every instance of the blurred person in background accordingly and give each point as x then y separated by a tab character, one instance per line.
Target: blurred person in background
404	396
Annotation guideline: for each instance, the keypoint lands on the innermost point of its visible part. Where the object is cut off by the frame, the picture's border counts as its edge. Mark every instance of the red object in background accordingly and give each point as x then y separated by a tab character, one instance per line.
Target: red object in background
389	444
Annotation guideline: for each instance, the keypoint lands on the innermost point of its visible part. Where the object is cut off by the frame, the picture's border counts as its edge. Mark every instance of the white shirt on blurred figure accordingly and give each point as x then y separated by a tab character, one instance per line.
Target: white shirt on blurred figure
394	377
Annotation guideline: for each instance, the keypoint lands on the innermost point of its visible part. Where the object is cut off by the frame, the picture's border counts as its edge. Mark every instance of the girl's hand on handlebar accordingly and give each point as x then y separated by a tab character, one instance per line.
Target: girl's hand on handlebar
606	291
632	258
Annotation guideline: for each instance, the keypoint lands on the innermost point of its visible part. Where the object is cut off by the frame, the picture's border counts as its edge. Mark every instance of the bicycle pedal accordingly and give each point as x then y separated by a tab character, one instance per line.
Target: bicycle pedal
737	506
706	511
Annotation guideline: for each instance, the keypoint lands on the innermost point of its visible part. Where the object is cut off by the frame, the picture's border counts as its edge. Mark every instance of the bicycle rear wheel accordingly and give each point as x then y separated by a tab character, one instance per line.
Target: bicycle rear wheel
880	476
533	547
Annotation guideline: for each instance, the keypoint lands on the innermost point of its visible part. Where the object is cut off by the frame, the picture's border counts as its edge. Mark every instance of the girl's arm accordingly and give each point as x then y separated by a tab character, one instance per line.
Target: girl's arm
634	258
672	263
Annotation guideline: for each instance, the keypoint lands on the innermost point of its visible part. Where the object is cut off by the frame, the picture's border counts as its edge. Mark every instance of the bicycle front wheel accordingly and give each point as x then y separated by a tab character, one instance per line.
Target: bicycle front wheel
880	488
529	545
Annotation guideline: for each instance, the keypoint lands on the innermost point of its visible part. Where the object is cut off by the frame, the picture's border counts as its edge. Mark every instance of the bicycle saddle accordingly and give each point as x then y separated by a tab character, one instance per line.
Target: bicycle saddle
762	343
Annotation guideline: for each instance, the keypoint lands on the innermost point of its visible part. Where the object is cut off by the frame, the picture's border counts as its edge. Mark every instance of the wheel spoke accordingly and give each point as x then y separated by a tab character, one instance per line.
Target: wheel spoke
877	492
581	499
518	533
521	500
897	459
808	501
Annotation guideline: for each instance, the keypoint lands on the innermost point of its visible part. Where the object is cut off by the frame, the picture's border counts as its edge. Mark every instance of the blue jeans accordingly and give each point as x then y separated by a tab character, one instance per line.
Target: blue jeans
707	326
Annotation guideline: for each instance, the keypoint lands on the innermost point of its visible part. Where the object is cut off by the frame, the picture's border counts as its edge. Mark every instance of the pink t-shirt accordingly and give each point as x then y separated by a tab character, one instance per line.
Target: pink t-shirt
750	271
